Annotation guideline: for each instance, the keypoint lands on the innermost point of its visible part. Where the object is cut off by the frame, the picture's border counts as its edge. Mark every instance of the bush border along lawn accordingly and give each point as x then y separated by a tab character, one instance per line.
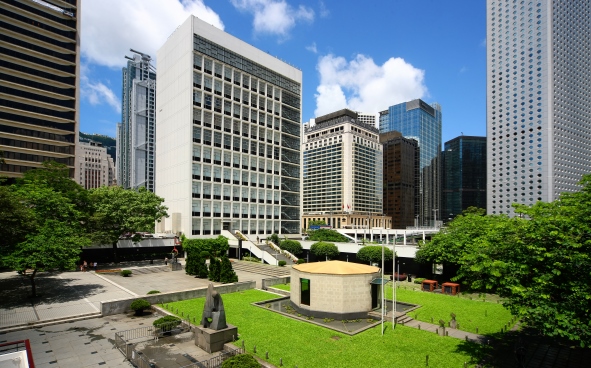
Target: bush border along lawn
307	345
488	317
285	287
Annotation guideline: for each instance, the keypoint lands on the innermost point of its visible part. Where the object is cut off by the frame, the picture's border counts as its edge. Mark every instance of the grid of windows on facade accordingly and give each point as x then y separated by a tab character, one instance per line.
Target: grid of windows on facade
367	176
323	176
516	71
246	145
39	70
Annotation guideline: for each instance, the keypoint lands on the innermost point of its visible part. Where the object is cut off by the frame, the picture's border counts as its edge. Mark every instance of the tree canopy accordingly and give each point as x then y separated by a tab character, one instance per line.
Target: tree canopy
327	235
540	261
324	249
117	211
292	246
373	253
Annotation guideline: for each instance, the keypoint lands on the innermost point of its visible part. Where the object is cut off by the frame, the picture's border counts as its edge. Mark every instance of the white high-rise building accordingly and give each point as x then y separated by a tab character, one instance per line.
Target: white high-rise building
369	119
228	135
538	100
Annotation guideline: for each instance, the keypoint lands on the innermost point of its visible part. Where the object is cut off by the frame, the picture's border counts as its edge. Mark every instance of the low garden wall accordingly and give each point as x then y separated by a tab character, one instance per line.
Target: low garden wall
117	306
275	281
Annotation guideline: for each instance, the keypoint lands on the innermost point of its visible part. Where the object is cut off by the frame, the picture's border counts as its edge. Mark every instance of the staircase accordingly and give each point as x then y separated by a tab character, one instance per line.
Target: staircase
278	256
260	250
261	269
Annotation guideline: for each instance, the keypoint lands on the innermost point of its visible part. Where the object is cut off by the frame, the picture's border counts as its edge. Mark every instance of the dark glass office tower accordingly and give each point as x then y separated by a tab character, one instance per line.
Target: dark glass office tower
39	80
463	175
420	121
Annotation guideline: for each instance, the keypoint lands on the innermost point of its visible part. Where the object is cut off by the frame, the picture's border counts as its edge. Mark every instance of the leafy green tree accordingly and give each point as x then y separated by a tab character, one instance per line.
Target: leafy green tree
195	264
215	247
214	269
117	211
373	253
539	262
274	238
51	234
17	219
323	249
227	274
292	246
327	235
316	222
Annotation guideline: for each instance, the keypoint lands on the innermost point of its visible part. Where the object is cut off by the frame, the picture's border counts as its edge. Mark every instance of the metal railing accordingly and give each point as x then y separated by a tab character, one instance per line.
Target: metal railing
216	361
15	346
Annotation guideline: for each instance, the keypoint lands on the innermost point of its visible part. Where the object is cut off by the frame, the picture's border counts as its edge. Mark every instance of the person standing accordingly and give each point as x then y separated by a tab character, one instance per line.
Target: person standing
94	265
166	261
84	266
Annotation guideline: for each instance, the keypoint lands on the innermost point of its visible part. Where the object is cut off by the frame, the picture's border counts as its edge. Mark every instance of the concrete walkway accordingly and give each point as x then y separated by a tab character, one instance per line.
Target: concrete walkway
451	332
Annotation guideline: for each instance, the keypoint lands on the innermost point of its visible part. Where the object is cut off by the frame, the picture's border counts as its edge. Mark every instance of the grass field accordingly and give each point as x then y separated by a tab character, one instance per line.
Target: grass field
282	286
488	317
306	345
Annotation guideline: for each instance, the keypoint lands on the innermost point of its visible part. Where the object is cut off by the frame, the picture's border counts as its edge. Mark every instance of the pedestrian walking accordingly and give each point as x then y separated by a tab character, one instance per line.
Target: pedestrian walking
166	261
85	266
94	265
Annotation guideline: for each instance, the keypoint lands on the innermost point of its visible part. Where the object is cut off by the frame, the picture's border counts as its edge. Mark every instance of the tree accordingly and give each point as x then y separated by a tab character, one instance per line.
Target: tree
56	241
539	261
195	264
227	274
274	238
17	219
373	253
327	235
322	249
316	222
117	211
292	246
214	269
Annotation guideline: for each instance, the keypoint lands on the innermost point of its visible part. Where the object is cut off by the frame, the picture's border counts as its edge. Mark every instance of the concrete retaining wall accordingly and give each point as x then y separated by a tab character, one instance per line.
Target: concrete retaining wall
118	306
275	281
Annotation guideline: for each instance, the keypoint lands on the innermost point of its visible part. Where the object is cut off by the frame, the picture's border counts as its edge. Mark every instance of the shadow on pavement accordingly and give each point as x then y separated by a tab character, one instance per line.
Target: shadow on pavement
50	289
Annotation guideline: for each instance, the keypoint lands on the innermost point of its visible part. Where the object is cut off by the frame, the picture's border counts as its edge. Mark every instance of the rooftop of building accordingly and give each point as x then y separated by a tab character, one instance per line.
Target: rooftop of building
336	268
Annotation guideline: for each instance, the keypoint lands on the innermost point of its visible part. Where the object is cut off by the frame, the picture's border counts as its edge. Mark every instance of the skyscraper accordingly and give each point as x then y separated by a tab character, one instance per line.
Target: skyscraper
95	166
401	179
420	121
228	135
342	182
40	80
538	100
463	174
136	132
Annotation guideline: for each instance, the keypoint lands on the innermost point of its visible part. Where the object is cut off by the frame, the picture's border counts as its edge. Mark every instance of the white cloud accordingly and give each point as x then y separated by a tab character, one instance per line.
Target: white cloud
361	85
97	93
324	12
312	48
111	27
275	17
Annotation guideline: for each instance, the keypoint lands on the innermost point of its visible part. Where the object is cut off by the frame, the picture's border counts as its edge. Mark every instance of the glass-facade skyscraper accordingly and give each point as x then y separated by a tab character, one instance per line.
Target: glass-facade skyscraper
420	121
463	175
538	100
136	134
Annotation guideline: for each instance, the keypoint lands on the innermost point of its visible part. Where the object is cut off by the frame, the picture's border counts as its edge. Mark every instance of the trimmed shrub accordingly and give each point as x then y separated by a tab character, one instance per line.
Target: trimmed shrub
241	361
139	305
282	263
196	264
373	253
322	249
301	260
167	322
251	259
227	274
274	238
327	235
292	246
419	280
153	292
125	273
214	269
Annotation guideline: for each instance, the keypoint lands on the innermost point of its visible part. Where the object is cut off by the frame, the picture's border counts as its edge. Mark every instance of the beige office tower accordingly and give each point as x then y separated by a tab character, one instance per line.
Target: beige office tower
228	125
39	84
538	100
95	168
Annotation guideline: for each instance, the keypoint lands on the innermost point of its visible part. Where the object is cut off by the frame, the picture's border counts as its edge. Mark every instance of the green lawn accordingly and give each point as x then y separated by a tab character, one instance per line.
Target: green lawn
306	345
285	287
488	317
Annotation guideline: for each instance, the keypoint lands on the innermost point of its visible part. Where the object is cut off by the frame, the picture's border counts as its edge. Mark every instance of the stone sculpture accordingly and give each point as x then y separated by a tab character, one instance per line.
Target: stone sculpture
214	316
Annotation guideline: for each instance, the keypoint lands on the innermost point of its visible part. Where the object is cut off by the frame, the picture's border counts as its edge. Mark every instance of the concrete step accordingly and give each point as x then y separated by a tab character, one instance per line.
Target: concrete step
261	269
403	319
148	270
50	322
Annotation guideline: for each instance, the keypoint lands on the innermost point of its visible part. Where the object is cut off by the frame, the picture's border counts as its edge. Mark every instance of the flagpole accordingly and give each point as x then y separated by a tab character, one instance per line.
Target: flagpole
383	296
394	280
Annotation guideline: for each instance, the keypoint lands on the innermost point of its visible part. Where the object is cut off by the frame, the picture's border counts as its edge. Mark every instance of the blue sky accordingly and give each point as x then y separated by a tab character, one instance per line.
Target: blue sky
362	55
